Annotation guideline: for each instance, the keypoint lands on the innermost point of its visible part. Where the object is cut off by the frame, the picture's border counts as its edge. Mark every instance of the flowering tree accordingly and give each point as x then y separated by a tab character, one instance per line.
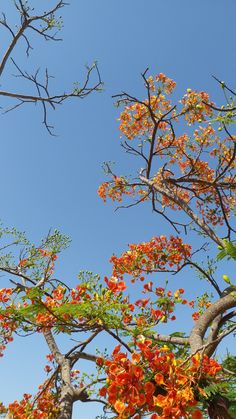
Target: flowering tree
148	373
191	174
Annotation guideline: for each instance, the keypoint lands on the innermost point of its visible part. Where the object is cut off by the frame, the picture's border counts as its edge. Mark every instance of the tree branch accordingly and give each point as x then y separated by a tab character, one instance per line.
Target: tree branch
202	324
185	207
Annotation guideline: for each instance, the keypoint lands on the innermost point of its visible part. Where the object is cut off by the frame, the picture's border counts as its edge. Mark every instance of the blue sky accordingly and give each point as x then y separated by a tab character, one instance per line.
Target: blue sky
51	182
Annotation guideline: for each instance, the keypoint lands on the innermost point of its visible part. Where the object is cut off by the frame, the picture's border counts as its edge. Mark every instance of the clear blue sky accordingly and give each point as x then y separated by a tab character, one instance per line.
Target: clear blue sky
51	182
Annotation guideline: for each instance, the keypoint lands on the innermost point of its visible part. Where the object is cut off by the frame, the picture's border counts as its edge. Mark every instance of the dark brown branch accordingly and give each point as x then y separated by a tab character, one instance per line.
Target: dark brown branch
115	336
26	22
208	277
11	47
43	96
185	207
173	223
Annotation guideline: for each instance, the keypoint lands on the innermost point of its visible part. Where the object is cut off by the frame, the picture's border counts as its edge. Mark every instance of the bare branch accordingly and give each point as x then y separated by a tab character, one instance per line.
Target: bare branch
45	99
42	24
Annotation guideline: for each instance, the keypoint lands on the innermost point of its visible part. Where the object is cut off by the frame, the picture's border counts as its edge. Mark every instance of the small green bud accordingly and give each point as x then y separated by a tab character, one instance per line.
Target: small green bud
226	279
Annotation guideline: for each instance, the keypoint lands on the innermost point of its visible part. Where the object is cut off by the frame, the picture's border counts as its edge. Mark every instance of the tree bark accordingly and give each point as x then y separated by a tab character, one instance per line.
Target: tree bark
218	408
67	392
66	402
198	332
219	405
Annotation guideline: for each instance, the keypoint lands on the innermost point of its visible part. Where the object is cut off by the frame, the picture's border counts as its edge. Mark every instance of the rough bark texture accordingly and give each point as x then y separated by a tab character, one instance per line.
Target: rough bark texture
218	408
67	391
66	404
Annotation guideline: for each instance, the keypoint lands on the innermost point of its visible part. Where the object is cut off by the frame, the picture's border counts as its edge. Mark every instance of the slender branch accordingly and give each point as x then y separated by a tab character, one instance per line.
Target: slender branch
82	345
115	336
208	277
170	339
53	346
82	355
81	394
47	384
12	46
26	22
185	207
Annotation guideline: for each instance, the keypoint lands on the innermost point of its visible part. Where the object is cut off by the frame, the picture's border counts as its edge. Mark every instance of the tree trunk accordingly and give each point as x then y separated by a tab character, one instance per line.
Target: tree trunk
219	405
218	408
66	403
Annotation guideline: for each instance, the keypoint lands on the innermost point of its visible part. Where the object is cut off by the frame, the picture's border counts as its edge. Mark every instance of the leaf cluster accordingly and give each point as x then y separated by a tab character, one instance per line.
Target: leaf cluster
229	251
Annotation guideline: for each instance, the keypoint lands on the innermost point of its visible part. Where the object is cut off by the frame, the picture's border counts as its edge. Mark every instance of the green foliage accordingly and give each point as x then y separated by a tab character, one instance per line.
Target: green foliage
11	238
230	363
226	389
52	22
56	241
229	251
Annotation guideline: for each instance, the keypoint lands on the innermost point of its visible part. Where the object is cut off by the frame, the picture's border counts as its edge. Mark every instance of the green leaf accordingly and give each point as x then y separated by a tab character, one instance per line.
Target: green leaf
226	279
228	250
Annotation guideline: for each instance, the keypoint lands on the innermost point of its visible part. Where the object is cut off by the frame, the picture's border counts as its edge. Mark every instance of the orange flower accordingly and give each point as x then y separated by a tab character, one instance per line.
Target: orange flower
197	414
159	379
103	391
119	406
159	254
136	357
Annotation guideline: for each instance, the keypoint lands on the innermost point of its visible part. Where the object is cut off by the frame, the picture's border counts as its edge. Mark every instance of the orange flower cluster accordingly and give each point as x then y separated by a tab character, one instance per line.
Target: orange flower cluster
47	317
52	257
155	311
196	106
183	194
7	324
7	327
79	294
5	294
203	303
159	254
43	406
197	176
154	381
115	284
161	81
213	214
187	171
30	262
40	311
138	118
48	309
115	189
207	366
